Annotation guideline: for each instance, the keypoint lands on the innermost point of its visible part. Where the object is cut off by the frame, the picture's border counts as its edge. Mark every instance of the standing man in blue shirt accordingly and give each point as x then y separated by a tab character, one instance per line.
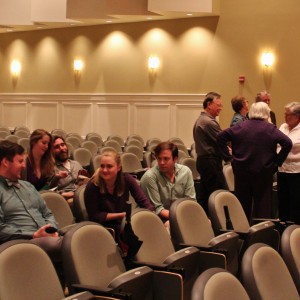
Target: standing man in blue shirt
23	212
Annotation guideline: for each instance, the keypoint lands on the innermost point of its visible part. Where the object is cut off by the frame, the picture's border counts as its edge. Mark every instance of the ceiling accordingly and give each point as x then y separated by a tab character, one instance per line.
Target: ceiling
24	15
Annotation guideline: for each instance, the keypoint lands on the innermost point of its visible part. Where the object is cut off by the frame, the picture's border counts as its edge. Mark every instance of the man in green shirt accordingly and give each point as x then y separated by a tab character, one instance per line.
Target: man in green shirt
168	180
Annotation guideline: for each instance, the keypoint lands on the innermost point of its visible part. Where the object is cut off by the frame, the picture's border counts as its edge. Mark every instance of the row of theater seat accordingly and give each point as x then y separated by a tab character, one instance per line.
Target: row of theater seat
191	227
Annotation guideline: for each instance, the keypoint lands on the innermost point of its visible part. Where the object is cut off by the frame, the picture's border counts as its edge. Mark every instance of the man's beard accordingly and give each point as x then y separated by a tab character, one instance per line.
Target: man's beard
62	157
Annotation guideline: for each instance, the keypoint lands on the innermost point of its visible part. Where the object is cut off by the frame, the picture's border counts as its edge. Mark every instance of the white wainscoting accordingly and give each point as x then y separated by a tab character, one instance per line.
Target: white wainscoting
150	115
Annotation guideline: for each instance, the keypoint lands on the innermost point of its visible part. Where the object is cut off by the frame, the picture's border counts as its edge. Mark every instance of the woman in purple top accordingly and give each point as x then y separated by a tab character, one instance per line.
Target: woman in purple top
108	191
254	159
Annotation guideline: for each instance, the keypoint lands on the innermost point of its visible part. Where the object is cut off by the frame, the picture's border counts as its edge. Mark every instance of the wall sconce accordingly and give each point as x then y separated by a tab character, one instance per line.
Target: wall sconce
15	68
78	66
267	59
153	63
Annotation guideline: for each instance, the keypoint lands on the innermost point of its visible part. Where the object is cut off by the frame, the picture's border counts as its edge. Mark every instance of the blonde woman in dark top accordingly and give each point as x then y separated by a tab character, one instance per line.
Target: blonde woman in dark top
108	191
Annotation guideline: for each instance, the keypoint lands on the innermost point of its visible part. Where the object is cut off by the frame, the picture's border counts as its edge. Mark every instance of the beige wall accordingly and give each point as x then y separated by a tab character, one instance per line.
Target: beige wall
197	55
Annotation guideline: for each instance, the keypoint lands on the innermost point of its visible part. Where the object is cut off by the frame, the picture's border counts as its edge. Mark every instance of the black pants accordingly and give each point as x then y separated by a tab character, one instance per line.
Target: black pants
212	178
288	185
254	190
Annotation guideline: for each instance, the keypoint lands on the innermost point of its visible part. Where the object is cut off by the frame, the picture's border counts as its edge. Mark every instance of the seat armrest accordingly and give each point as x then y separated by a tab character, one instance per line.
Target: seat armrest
154	266
81	296
242	235
101	292
167	285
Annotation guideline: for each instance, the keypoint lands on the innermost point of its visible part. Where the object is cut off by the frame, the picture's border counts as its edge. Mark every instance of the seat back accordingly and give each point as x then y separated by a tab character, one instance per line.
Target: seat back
12	137
26	272
59	207
176	140
138	151
191	163
290	245
22	134
117	138
216	203
137	137
114	144
149	228
22	127
183	148
90	145
181	155
96	139
24	142
83	156
96	162
135	142
189	223
90	255
59	132
265	275
79	205
4	134
130	162
5	128
149	159
74	140
217	283
190	226
229	176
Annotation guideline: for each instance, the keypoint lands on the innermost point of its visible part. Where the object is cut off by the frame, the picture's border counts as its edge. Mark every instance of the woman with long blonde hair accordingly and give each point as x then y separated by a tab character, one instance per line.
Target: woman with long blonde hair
108	191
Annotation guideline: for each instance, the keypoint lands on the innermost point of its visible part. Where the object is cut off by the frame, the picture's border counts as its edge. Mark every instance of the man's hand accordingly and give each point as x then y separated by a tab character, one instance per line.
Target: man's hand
62	174
42	233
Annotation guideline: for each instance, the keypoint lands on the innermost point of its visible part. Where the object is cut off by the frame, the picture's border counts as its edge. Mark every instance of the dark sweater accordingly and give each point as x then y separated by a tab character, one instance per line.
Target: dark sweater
254	145
99	205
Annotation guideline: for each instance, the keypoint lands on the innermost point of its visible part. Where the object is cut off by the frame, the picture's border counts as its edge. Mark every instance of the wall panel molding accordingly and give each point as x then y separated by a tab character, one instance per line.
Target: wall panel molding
150	115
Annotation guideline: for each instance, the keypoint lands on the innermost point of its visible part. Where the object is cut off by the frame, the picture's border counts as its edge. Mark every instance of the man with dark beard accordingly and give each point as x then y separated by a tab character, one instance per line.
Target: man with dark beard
67	168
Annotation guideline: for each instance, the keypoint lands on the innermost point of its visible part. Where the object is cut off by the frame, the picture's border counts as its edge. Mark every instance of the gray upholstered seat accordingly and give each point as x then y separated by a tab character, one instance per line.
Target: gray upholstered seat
132	164
90	145
158	251
114	144
190	226
218	284
229	176
263	232
290	245
265	276
59	207
26	272
92	259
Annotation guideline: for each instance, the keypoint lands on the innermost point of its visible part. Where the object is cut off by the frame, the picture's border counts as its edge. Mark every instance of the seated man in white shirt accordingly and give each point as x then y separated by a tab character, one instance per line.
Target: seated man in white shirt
168	180
67	168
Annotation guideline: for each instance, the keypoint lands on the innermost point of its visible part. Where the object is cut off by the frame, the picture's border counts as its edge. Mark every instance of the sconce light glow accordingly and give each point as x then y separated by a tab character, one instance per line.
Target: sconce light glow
78	65
153	62
15	68
267	59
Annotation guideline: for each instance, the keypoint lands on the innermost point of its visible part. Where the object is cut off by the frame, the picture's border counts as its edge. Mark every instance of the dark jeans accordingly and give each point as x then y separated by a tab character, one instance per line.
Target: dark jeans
212	178
288	185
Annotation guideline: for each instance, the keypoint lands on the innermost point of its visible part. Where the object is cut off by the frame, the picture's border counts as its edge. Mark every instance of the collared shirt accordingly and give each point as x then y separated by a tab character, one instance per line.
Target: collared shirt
68	183
205	133
22	210
162	192
292	162
237	118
